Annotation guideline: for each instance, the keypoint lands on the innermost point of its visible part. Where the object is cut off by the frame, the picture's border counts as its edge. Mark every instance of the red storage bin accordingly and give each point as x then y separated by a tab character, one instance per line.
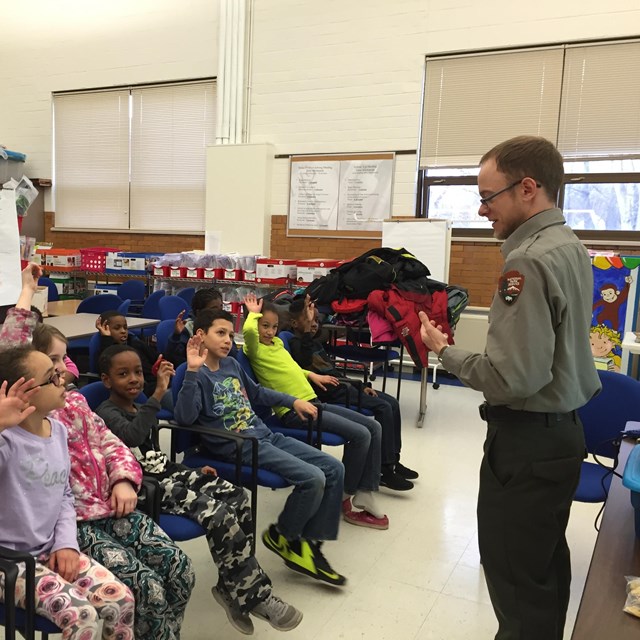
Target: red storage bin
161	271
95	258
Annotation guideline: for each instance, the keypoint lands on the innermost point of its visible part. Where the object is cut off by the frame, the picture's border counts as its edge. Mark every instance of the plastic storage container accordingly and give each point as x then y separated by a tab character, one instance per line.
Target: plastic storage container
631	480
95	258
12	167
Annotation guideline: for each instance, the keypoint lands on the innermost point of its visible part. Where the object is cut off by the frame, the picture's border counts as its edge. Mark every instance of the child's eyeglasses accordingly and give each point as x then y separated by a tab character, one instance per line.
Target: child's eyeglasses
54	379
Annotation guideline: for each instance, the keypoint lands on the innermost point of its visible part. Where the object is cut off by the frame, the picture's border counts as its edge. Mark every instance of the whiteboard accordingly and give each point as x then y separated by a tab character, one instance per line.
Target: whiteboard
429	240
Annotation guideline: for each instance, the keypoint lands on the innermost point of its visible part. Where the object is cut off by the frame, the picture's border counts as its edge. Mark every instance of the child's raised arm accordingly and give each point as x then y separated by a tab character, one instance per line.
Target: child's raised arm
20	321
196	353
30	275
14	403
250	327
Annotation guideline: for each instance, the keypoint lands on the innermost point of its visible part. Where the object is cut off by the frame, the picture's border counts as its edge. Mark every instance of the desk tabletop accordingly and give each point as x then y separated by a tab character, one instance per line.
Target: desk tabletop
62	307
82	325
616	554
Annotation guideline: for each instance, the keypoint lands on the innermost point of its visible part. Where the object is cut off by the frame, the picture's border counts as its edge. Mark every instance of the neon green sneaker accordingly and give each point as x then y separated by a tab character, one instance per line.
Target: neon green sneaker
276	542
306	557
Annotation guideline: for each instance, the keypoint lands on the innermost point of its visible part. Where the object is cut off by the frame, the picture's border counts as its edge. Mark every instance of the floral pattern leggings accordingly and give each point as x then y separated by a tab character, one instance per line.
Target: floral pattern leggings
156	570
76	606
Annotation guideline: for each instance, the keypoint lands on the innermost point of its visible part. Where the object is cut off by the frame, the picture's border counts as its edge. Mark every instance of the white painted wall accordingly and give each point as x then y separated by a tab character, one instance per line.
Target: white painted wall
326	76
50	46
338	76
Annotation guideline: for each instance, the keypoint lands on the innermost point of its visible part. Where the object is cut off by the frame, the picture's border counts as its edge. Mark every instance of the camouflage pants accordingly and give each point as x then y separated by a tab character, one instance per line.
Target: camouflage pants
223	511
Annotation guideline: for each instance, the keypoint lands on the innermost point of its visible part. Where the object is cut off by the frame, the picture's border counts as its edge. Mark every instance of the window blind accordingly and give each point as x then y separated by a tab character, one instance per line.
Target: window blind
600	110
473	102
171	128
91	170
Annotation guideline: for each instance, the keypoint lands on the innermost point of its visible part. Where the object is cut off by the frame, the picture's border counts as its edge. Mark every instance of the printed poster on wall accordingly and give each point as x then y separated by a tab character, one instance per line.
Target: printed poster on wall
615	305
365	194
314	195
345	195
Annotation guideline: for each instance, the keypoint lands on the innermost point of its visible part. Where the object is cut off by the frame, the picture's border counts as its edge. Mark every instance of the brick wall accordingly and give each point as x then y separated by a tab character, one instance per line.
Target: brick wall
474	265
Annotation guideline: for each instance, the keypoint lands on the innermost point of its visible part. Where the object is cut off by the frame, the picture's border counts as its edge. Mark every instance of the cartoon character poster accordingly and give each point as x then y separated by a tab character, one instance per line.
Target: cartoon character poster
615	302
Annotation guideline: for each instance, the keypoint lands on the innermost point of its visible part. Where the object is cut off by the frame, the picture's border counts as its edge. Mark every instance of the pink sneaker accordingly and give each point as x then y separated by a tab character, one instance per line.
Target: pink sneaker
362	518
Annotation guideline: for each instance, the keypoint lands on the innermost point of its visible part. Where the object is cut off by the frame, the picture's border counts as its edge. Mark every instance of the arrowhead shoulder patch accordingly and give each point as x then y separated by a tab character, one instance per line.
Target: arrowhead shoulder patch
510	286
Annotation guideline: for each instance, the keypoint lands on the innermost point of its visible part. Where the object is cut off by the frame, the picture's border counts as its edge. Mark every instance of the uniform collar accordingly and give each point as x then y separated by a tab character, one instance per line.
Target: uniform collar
536	223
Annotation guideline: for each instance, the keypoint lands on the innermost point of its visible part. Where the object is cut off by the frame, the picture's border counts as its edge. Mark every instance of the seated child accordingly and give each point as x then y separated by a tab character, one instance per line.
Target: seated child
308	351
208	298
113	329
276	369
217	394
127	542
221	508
36	503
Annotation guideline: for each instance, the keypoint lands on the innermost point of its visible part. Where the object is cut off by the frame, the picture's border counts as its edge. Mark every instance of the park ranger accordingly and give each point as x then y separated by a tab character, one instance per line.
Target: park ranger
536	370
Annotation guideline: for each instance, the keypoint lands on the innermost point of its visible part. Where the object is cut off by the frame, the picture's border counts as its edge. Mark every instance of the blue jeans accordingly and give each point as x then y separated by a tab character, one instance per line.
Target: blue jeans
312	510
385	409
363	434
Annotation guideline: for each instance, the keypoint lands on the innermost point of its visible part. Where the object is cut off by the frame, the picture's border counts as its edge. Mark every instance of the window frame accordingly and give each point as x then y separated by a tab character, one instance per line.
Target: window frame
610	236
131	88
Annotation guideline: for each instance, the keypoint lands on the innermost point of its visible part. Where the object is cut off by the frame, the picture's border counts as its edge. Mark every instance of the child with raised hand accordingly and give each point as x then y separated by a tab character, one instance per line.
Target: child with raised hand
36	502
221	508
113	329
276	369
217	394
207	298
127	542
308	351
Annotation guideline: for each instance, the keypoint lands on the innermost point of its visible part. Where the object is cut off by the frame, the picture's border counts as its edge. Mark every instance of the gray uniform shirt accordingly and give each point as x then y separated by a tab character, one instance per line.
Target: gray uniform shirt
538	355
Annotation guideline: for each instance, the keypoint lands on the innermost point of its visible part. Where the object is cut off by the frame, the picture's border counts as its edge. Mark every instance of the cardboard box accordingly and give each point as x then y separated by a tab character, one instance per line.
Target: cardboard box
309	270
275	271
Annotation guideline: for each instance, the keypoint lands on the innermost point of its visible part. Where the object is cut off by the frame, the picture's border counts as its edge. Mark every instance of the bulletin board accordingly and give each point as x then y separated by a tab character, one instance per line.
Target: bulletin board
341	195
615	308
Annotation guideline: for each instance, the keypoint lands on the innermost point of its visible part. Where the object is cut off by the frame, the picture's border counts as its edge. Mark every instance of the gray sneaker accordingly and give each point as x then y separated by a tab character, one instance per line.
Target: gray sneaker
277	613
239	621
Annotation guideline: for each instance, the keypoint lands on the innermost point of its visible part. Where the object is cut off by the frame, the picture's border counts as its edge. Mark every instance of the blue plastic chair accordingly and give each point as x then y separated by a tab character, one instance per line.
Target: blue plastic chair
380	353
135	290
151	306
53	294
163	331
186	440
124	307
286	336
187	294
603	418
14	618
100	303
171	306
178	528
94	351
315	438
150	309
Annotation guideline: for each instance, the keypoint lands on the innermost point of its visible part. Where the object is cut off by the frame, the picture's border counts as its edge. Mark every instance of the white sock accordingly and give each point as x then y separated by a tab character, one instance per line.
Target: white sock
366	500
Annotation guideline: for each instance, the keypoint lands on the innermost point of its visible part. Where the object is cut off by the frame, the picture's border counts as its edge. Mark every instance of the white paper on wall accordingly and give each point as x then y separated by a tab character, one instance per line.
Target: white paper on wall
10	281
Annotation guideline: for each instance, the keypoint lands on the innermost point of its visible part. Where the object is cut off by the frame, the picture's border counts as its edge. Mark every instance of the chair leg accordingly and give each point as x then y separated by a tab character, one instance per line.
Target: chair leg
400	371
